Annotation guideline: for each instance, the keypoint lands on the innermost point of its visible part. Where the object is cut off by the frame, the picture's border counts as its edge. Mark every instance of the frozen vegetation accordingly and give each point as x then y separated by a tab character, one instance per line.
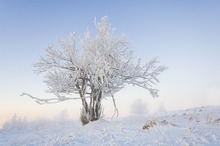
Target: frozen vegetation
198	126
94	67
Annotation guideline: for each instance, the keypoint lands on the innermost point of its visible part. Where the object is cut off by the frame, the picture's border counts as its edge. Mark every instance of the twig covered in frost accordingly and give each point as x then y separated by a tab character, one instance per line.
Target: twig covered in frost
48	101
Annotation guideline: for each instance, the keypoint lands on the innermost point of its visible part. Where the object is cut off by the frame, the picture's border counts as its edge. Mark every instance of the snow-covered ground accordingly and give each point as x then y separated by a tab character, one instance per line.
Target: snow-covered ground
198	126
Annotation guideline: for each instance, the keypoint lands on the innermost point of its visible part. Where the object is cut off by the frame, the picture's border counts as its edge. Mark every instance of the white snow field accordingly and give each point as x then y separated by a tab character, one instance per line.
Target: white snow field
197	126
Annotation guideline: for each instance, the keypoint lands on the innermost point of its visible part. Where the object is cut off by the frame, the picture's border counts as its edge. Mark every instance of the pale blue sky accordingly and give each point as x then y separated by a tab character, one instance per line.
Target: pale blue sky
184	34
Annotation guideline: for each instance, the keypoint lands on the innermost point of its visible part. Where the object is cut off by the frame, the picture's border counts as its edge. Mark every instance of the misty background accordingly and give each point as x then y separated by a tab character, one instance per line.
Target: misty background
183	34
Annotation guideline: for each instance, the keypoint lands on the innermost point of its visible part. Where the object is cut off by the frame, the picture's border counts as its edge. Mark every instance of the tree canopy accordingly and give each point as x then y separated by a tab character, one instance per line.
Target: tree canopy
94	67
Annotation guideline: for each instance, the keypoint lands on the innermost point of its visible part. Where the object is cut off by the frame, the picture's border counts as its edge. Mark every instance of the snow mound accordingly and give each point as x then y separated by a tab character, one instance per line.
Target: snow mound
198	126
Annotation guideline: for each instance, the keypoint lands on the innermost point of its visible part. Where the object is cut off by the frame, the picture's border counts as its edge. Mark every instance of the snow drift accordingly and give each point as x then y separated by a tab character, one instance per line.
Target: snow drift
198	126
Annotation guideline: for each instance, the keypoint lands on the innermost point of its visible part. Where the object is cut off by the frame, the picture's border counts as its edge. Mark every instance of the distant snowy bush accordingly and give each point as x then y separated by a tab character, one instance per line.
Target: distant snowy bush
138	107
16	123
19	123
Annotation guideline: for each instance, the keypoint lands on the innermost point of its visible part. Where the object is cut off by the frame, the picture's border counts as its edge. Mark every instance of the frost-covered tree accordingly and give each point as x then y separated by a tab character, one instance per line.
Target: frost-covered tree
96	67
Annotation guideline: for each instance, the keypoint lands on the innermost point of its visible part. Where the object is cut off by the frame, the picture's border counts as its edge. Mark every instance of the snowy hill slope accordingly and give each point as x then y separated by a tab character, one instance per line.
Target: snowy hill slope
198	126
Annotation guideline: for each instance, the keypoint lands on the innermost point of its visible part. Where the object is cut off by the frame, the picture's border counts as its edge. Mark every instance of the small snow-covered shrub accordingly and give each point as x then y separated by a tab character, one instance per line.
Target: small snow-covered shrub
194	116
164	122
149	124
217	122
209	118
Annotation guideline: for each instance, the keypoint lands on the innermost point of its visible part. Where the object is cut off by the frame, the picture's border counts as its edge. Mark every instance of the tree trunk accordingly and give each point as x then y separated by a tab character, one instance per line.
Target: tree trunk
93	111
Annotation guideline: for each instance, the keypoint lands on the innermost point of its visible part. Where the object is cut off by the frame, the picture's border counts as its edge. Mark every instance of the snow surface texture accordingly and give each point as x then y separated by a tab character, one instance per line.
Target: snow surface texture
198	126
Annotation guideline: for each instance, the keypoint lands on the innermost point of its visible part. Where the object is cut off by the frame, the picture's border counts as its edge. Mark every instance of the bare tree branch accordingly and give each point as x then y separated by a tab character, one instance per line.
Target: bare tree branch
49	100
116	110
